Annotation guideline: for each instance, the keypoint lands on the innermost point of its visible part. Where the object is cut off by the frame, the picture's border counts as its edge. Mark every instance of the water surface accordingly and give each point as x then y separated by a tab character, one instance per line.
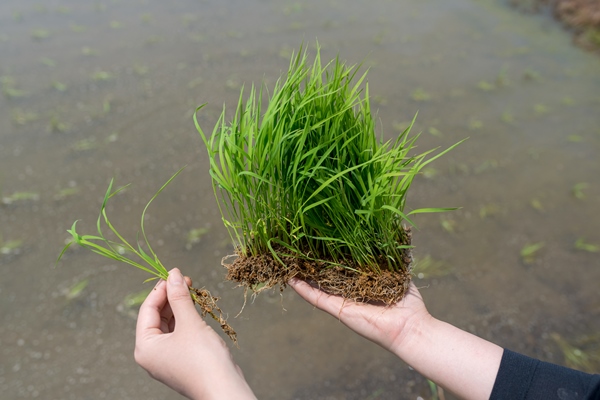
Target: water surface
96	90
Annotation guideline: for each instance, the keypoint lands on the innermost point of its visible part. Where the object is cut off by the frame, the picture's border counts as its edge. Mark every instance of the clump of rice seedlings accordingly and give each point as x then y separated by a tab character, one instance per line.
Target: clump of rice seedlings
136	256
307	189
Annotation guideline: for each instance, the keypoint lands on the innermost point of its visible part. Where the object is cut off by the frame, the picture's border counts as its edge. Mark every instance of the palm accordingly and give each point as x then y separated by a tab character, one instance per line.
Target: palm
382	324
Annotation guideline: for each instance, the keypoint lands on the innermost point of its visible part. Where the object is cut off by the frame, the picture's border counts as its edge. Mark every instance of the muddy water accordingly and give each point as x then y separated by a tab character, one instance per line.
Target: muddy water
95	90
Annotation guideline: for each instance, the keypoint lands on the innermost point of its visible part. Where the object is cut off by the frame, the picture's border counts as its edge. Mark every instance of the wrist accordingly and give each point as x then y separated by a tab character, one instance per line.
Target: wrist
413	331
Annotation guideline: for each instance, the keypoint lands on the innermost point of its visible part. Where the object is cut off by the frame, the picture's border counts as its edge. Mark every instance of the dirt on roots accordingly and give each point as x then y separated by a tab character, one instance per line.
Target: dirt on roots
263	271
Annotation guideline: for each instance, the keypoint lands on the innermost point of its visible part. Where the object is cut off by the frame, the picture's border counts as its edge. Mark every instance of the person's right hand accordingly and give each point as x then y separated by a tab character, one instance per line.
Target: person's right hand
388	326
177	348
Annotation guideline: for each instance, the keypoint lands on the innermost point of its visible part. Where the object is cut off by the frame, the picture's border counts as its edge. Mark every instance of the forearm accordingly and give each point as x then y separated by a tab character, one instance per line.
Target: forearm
458	361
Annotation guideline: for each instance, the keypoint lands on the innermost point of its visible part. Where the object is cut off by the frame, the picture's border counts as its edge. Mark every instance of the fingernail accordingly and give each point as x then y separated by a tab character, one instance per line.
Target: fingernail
175	277
160	280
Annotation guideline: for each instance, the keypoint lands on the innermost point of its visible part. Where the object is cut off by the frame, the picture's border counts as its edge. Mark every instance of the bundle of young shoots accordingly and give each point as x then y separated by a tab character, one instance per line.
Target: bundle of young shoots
121	250
307	189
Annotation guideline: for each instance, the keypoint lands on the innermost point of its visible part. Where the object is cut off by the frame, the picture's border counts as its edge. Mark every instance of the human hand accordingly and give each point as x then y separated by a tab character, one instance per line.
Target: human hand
176	346
388	326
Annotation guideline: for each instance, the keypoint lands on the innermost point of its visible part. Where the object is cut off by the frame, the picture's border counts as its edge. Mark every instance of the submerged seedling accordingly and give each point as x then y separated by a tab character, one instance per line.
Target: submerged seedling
140	255
581	244
76	289
306	188
529	252
577	355
578	190
428	267
10	246
20	196
419	94
194	236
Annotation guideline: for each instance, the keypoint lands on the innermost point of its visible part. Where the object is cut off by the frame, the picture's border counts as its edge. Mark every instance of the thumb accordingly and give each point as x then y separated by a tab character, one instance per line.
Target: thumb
178	294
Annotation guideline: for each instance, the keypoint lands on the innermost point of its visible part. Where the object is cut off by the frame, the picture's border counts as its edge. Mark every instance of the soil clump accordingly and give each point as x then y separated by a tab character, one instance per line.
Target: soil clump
342	278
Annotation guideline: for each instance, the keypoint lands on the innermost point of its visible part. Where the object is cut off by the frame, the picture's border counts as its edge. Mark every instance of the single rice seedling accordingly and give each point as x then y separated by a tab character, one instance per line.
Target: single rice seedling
306	188
121	250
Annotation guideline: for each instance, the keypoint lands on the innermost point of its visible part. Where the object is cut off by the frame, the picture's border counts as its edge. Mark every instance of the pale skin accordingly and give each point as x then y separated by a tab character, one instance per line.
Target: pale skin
191	358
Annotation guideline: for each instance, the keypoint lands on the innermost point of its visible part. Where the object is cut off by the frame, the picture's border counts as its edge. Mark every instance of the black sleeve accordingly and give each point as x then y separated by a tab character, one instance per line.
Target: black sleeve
522	378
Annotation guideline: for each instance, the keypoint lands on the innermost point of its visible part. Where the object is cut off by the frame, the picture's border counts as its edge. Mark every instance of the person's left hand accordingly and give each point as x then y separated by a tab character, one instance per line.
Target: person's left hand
177	348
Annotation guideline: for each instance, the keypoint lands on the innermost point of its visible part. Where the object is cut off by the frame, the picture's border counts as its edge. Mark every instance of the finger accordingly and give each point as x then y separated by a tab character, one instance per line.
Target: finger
188	281
149	318
179	297
326	302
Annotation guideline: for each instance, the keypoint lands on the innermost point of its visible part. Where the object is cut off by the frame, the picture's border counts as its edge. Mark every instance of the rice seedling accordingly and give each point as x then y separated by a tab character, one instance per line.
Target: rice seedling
449	225
20	196
40	34
76	289
583	355
130	304
434	132
85	144
489	210
535	203
66	192
194	236
10	246
23	117
486	86
307	189
101	76
474	124
419	94
529	252
540	109
580	244
77	28
508	118
578	190
48	62
56	125
428	267
87	51
9	87
59	86
140	255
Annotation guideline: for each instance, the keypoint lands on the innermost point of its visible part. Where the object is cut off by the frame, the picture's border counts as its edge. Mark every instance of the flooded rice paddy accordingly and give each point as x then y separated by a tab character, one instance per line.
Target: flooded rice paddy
103	89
